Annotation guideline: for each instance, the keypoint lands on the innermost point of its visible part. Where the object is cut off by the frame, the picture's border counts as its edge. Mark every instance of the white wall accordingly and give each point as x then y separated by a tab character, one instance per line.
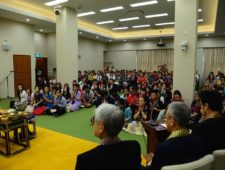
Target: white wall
138	45
151	44
123	54
211	42
21	38
123	51
51	52
91	53
40	40
121	59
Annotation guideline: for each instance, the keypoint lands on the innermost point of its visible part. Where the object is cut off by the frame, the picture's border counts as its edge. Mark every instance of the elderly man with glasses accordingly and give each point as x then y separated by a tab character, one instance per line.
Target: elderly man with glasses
181	146
111	153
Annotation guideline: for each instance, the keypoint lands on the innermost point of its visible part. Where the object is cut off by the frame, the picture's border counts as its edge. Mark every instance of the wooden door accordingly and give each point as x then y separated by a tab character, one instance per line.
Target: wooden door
22	71
42	65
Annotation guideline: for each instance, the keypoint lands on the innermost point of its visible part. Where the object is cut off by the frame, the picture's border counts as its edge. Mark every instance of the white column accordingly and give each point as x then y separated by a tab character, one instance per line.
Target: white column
186	22
66	45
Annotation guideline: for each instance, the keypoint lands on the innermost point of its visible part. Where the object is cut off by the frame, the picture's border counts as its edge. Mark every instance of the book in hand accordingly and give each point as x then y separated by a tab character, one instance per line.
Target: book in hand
53	110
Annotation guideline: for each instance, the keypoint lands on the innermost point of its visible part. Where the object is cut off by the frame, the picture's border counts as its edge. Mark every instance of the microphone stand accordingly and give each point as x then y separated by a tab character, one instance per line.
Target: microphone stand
7	82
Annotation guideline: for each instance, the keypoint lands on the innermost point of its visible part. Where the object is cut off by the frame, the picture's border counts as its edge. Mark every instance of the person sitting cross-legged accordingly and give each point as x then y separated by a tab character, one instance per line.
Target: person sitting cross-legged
60	104
111	153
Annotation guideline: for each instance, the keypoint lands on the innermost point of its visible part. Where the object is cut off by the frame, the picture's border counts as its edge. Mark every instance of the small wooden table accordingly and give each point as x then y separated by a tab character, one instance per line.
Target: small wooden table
14	125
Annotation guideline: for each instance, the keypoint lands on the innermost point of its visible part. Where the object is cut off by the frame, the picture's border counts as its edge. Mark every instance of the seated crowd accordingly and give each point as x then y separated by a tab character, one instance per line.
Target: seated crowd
139	96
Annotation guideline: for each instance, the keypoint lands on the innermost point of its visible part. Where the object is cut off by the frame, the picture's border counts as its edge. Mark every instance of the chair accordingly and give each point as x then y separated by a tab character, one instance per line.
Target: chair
204	163
219	160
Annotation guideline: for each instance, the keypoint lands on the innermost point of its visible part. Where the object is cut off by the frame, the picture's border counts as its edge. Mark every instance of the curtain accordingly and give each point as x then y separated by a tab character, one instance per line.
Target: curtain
214	60
149	60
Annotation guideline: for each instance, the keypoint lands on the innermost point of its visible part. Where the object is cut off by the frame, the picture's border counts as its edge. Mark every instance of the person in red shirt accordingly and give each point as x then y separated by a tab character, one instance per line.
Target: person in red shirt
133	99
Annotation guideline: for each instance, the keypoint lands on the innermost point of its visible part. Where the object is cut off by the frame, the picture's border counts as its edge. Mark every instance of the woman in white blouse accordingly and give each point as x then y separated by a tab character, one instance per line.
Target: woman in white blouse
22	102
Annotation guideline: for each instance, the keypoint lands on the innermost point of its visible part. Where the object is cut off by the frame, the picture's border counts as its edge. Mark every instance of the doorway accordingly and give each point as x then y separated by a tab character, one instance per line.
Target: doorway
42	68
22	71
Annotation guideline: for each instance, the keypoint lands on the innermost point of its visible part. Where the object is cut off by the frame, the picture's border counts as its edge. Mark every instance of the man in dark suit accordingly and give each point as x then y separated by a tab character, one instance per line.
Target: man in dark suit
111	154
180	147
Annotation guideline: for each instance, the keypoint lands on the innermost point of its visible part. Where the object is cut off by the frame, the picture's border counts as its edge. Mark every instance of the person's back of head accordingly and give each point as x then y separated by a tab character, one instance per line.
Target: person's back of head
212	123
111	118
213	99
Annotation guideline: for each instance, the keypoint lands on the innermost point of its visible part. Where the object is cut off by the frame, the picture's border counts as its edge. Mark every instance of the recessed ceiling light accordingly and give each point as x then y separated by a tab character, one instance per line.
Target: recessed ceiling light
129	19
105	22
199	10
110	40
165	23
156	15
120	28
86	13
41	30
112	9
144	3
28	20
141	26
55	2
200	20
97	37
124	40
80	33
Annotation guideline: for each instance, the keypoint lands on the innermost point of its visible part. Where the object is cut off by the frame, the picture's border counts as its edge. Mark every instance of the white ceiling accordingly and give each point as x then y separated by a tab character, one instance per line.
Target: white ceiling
95	5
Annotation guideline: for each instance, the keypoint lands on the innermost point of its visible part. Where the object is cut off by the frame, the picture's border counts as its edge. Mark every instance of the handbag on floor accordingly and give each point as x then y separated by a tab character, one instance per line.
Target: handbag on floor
39	110
12	104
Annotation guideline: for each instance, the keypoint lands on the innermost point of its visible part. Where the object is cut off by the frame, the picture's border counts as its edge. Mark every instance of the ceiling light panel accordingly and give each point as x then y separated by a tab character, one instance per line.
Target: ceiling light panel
156	15
129	19
105	22
55	2
172	23
112	9
86	13
165	23
120	28
144	3
141	26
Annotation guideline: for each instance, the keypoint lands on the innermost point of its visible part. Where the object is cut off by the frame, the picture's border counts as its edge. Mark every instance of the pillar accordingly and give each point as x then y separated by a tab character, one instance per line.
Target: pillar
66	45
186	22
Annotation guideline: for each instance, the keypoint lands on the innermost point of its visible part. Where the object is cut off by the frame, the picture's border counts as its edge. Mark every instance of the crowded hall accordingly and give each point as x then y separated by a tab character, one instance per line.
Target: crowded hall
112	85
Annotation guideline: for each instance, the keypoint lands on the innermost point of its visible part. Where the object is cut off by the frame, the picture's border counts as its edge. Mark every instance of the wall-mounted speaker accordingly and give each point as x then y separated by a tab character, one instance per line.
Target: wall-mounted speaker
6	46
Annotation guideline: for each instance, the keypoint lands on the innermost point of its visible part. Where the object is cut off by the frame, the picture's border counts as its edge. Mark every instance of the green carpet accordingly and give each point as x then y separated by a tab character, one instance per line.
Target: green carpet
76	124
